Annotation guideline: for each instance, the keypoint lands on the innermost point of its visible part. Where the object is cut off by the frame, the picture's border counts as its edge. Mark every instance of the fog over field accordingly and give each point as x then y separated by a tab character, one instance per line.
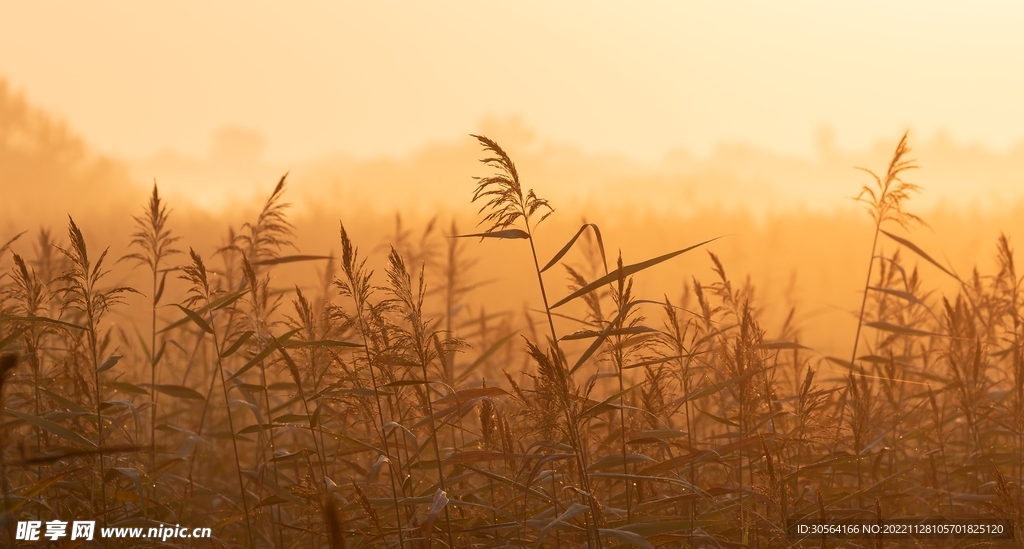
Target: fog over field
788	222
511	275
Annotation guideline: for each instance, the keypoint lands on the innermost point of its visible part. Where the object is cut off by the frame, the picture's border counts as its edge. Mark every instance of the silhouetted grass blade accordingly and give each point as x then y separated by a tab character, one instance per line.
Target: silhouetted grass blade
565	249
913	247
627	271
506	234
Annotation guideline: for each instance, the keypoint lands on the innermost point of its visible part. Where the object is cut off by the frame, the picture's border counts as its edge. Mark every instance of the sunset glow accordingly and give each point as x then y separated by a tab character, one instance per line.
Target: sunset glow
468	275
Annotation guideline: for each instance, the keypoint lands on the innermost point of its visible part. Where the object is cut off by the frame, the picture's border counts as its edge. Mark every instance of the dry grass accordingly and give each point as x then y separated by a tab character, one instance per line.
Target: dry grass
388	411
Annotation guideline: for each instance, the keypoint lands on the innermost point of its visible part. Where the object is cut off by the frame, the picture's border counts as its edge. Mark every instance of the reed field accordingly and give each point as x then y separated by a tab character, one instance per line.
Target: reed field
378	399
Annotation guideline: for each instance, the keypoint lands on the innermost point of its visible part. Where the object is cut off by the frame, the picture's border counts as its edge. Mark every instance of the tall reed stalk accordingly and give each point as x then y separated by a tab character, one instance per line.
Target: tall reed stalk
156	244
356	286
201	293
422	343
506	206
84	294
885	205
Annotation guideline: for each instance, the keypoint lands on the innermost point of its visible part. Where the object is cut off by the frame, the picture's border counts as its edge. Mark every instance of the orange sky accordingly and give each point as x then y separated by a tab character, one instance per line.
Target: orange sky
374	78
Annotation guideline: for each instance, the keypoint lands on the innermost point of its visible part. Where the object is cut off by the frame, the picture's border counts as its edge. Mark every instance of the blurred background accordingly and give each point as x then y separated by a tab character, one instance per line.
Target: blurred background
666	124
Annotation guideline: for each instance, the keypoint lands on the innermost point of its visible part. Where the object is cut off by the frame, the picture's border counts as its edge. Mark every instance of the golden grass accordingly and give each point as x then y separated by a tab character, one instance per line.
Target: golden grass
388	410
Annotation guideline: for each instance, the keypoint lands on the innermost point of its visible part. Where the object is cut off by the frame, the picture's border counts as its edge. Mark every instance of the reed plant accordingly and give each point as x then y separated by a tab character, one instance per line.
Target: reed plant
404	410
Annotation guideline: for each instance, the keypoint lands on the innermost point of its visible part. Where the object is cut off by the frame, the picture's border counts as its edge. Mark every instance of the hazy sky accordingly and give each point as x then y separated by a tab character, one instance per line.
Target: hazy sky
375	78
